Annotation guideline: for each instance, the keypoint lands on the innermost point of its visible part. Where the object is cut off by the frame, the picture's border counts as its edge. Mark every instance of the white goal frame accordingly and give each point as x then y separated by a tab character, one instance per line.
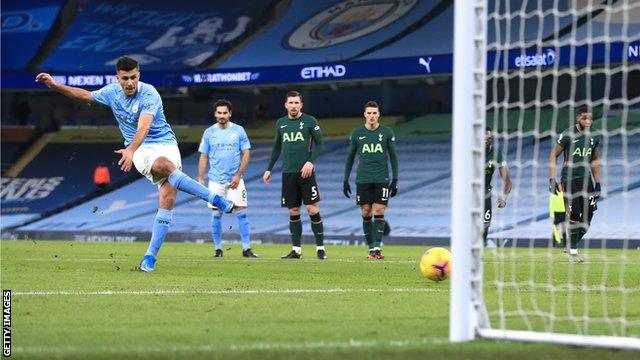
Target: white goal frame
468	319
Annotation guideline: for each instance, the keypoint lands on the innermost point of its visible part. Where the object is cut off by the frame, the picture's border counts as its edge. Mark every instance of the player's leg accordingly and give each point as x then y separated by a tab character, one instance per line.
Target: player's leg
576	200
381	198
378	229
487	220
367	227
164	163
311	197
161	225
291	200
239	197
216	218
364	198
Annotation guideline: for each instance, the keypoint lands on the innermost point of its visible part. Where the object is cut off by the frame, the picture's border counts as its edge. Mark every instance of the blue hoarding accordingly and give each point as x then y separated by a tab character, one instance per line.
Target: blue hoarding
543	58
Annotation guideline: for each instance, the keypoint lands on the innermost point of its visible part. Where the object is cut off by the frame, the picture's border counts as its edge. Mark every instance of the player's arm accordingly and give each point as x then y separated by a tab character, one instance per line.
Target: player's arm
202	167
275	153
595	170
348	165
144	123
393	158
316	136
553	158
244	163
507	185
68	91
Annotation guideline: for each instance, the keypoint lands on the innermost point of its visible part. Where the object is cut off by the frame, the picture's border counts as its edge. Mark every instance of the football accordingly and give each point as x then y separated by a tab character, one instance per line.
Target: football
435	264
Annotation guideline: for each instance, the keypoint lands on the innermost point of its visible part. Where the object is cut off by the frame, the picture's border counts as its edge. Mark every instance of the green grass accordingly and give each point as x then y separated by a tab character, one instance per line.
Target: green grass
84	300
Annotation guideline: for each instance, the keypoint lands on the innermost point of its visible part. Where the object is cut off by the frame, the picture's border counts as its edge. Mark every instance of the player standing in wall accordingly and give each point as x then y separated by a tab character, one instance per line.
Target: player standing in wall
225	148
375	144
299	140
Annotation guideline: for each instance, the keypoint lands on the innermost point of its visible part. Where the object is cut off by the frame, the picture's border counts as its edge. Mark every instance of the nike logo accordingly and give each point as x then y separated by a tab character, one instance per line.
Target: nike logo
575	141
283	126
361	137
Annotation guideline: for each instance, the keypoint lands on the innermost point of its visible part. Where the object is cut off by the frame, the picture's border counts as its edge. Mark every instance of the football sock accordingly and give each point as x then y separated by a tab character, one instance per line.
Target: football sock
243	228
317	227
378	230
161	225
485	232
182	182
216	229
575	238
295	227
366	227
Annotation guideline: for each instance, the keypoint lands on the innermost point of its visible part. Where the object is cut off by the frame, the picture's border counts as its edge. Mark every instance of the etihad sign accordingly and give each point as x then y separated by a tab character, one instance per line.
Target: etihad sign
323	72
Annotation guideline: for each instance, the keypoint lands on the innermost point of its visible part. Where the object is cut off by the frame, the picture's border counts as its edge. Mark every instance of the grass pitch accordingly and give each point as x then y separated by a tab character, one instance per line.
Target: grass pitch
85	300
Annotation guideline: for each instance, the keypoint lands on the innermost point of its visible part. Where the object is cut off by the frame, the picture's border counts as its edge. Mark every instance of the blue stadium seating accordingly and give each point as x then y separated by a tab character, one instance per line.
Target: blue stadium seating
422	208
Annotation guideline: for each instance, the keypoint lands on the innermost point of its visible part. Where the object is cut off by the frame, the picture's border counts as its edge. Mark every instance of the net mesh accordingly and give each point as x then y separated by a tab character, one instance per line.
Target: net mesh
546	59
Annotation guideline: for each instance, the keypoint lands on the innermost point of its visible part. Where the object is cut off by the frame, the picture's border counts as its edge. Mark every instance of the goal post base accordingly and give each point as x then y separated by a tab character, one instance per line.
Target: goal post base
614	342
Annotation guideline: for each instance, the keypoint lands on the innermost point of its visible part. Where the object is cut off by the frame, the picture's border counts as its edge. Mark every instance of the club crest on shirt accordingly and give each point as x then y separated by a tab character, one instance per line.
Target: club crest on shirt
233	136
135	106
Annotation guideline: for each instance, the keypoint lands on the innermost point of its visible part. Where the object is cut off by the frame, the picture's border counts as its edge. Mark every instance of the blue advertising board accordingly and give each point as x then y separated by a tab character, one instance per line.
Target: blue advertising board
543	58
25	24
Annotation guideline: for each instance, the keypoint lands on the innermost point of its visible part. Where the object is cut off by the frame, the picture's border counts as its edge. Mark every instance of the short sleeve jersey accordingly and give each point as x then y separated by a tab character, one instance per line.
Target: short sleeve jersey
224	148
127	111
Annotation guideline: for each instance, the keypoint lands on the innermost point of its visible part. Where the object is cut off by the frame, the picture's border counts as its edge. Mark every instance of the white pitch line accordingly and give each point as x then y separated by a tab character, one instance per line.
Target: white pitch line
350	343
221	292
213	261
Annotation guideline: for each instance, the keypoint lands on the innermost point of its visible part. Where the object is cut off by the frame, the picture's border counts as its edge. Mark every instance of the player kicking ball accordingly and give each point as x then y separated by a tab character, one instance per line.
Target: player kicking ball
150	144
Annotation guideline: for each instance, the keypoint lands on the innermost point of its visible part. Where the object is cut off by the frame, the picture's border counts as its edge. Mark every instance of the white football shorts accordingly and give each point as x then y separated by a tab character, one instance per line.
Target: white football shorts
237	195
147	154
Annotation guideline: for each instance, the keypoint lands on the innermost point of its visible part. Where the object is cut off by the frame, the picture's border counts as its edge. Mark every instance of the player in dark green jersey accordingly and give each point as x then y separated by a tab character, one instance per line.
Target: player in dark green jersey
581	161
299	140
494	158
375	144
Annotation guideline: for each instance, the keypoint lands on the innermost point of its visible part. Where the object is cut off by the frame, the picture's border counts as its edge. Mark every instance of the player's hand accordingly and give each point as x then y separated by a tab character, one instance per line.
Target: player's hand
346	189
126	161
596	192
45	79
393	188
502	202
235	180
553	186
266	177
307	170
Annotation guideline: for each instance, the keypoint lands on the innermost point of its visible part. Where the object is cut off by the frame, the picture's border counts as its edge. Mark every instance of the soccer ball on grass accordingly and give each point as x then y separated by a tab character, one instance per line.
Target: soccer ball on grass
435	264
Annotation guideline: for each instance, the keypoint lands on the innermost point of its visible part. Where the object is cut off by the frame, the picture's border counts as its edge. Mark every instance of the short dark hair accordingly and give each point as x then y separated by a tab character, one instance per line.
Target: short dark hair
293	93
582	110
371	103
126	63
223	102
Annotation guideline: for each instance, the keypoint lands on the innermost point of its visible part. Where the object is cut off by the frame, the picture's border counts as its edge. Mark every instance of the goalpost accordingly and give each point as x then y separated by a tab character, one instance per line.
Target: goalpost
523	67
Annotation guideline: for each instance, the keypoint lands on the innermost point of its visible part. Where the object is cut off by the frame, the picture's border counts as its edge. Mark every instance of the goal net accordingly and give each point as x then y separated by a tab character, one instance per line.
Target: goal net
535	67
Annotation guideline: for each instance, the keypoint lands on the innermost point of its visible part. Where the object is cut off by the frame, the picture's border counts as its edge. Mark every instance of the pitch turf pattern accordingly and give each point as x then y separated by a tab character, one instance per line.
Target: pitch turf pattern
85	300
